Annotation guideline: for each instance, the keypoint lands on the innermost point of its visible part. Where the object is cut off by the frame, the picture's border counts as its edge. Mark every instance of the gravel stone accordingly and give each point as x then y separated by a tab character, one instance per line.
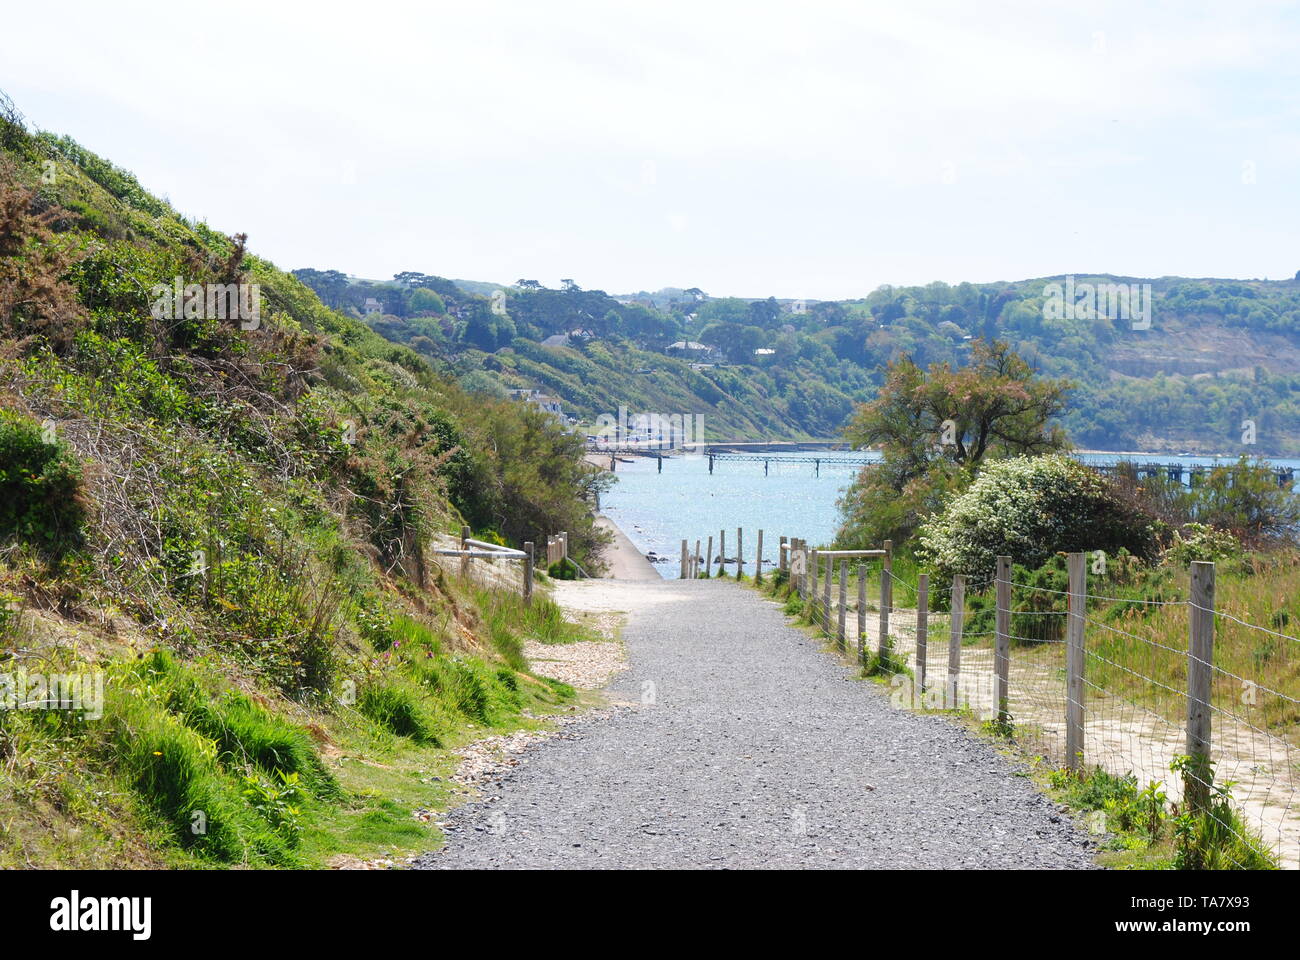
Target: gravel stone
739	743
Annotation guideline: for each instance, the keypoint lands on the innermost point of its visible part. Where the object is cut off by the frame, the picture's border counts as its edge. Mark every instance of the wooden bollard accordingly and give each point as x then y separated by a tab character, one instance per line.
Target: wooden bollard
740	553
842	639
683	576
695	562
708	559
758	560
528	573
722	553
782	561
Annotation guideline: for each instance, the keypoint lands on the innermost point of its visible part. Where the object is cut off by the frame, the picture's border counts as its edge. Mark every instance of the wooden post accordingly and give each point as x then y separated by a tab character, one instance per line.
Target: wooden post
464	561
826	595
528	573
840	636
740	553
782	561
1200	677
812	585
722	553
683	576
922	626
956	608
708	559
1002	647
564	545
696	560
862	612
1074	661
889	570
800	580
886	600
758	560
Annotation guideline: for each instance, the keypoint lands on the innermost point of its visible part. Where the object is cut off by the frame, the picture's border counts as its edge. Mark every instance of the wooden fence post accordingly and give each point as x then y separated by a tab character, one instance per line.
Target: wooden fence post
683	576
781	559
1002	647
840	636
1074	661
708	559
464	561
826	595
922	626
812	585
1200	677
956	611
722	553
758	568
862	612
740	553
528	573
886	600
695	562
889	570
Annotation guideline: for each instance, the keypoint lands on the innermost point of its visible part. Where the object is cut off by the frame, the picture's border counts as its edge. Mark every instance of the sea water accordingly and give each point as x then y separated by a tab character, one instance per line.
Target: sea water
795	499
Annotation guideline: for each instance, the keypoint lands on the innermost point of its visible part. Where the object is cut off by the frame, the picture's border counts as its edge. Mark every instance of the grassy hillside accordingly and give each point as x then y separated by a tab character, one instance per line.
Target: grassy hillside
228	525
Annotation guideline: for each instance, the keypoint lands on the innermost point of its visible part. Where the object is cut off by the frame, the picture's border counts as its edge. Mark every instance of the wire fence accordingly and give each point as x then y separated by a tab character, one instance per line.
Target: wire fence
1085	680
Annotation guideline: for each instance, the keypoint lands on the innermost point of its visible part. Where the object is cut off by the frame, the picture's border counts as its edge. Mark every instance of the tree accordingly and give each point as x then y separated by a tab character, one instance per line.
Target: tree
936	427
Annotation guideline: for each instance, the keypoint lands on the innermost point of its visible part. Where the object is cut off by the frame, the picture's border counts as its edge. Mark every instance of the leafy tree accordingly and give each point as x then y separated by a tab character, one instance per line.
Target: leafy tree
935	428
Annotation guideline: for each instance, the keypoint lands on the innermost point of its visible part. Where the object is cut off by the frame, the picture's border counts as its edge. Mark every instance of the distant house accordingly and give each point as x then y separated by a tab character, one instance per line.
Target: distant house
372	306
556	340
764	352
690	348
542	401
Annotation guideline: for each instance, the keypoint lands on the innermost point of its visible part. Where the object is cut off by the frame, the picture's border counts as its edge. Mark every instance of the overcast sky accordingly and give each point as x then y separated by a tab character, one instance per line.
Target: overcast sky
798	149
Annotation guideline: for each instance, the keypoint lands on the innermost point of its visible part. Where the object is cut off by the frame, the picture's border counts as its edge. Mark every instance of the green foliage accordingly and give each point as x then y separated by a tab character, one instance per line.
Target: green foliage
1200	541
1214	836
935	428
399	710
1029	508
42	501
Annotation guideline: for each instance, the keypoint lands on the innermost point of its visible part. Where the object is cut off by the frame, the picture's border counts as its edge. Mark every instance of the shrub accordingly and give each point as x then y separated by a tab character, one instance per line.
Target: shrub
1200	541
41	498
398	710
1029	508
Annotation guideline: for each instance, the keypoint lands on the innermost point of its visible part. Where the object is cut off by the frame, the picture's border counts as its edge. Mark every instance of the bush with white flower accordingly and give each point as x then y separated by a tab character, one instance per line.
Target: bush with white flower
1030	508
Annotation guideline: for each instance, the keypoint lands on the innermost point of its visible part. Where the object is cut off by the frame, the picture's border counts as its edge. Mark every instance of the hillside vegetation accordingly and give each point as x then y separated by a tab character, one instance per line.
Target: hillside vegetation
1215	353
228	521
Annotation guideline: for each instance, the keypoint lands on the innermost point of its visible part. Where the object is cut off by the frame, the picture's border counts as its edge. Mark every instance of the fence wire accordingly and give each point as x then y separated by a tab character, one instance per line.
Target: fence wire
1134	687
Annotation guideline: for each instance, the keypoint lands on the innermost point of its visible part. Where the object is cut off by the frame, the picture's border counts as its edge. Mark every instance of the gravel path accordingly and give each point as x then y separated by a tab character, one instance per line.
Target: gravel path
757	750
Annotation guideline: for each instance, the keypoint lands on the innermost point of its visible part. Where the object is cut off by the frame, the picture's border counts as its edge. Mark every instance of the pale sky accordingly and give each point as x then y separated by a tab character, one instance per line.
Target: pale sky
798	149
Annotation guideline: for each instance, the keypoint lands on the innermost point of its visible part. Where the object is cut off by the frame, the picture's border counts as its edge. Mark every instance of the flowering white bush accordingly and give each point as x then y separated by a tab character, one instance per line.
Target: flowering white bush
1030	508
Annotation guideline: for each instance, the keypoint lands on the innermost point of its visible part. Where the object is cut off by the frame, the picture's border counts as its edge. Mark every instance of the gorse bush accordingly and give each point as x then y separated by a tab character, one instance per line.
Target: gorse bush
42	502
1029	508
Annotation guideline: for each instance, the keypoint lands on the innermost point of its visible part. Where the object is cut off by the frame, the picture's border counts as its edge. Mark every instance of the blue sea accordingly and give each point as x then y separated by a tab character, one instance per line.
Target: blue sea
657	510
